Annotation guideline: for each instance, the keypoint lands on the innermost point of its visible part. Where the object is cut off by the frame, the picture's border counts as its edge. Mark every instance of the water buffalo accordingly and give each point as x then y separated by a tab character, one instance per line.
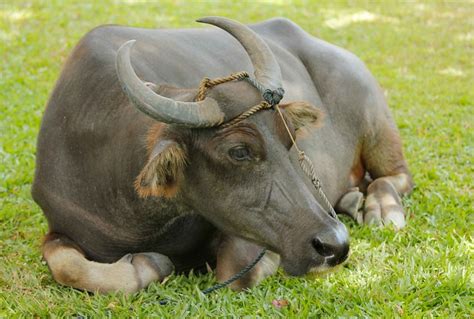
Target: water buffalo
136	177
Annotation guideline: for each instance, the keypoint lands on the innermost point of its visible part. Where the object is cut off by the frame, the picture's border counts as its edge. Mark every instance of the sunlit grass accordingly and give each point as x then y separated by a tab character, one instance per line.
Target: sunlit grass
422	55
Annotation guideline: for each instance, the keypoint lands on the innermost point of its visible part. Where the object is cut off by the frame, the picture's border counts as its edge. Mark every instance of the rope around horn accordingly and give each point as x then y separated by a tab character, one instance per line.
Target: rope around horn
207	83
271	97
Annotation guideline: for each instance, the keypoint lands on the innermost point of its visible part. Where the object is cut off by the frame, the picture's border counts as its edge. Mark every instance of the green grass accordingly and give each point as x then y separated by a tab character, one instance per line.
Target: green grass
422	55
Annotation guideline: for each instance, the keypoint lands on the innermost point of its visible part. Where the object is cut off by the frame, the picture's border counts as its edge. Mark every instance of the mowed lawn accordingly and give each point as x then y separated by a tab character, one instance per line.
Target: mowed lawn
422	55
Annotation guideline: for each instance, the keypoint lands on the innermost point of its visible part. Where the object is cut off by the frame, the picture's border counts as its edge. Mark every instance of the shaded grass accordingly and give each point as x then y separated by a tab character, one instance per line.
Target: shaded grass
422	56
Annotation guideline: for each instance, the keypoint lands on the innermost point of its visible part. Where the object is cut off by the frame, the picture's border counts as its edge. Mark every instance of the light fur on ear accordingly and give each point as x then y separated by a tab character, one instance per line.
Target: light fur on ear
163	171
302	114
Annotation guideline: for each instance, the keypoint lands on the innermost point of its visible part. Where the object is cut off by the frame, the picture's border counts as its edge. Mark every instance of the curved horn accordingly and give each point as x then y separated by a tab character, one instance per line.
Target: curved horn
267	70
204	113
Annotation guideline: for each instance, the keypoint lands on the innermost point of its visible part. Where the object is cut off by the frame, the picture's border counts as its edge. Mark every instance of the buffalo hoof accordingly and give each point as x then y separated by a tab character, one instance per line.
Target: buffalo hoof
152	265
383	205
351	204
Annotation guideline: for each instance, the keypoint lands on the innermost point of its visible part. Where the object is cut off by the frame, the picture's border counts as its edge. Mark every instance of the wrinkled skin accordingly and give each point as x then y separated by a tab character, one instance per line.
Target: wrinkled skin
93	144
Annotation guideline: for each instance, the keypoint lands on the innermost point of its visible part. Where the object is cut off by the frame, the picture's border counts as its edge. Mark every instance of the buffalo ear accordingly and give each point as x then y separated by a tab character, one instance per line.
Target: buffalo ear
163	171
303	114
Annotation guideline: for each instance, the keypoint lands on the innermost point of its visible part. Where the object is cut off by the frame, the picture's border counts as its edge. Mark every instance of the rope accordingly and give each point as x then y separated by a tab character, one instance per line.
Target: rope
207	83
256	84
238	275
271	97
235	277
262	106
308	167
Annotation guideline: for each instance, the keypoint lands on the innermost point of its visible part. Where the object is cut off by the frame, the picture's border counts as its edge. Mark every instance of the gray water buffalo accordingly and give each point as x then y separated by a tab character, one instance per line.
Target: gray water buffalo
137	177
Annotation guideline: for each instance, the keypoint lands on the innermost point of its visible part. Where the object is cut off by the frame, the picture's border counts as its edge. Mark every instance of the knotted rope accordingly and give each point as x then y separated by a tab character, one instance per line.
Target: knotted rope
207	84
308	167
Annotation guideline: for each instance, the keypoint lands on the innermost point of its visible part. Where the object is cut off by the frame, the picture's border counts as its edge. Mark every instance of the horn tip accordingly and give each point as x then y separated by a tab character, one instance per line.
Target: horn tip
212	19
128	44
131	42
203	20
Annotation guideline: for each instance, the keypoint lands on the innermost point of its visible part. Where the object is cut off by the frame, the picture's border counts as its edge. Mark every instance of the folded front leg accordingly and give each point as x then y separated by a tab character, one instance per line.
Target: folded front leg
130	274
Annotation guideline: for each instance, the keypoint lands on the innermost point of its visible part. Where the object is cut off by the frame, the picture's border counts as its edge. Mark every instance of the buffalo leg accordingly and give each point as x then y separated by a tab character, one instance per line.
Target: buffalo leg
131	273
383	159
235	253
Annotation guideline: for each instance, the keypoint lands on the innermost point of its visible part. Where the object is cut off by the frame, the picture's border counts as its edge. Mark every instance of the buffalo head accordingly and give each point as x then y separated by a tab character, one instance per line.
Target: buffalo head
241	178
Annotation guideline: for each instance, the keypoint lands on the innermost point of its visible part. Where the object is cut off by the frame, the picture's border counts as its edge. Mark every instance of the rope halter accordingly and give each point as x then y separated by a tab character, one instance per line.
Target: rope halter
271	100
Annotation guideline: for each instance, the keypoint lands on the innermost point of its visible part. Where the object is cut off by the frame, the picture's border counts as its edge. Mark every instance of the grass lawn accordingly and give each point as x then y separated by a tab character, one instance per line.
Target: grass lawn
422	55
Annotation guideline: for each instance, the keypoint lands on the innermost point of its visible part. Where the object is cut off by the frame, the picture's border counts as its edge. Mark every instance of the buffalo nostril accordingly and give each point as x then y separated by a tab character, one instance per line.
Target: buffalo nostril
340	256
344	254
322	248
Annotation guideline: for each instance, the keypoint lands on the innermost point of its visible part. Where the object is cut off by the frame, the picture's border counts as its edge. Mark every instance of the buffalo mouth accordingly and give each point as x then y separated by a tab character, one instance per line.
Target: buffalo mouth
294	267
318	256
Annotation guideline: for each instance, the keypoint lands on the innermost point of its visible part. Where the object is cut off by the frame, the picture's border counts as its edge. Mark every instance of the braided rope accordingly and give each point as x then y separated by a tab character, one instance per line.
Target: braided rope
262	106
308	167
256	84
207	83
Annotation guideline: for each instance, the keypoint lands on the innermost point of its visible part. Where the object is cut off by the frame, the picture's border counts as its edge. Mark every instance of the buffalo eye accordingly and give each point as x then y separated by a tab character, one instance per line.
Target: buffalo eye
240	153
